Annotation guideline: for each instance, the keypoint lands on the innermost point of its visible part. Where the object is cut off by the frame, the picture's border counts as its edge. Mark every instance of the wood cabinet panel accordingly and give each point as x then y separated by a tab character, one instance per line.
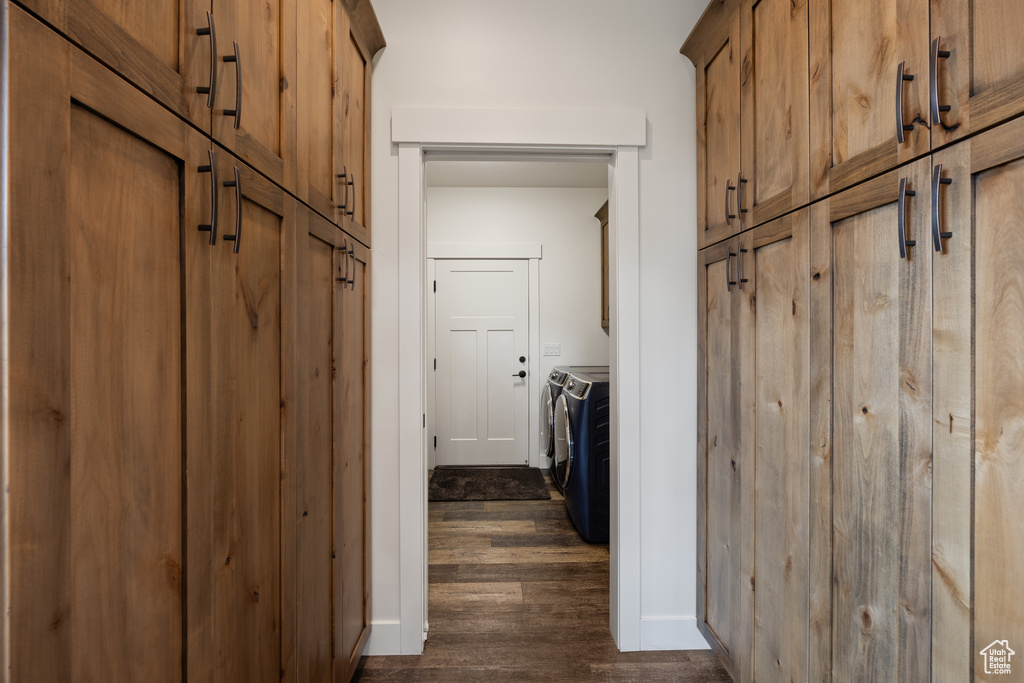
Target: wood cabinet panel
775	122
779	276
96	543
234	434
857	49
352	117
881	443
982	78
352	447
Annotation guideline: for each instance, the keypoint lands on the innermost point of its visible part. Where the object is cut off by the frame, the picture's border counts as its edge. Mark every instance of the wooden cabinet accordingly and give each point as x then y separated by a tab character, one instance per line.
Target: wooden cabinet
978	401
753	419
606	314
187	482
351	452
752	128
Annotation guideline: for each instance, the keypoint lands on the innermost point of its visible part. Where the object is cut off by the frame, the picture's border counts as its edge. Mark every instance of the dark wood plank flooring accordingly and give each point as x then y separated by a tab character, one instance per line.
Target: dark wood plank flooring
516	595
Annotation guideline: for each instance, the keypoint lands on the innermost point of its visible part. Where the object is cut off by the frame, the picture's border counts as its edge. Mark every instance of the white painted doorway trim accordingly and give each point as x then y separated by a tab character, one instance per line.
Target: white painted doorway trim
478	252
478	132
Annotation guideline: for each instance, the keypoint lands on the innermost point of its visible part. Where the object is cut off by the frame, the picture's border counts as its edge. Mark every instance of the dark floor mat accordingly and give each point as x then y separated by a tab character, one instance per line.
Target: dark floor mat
488	483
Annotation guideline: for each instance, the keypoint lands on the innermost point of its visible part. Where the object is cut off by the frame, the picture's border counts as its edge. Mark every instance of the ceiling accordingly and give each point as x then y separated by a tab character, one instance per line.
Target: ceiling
517	173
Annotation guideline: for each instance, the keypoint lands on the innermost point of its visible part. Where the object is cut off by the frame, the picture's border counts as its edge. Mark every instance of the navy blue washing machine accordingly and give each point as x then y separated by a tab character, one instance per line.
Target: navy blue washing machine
582	452
549	396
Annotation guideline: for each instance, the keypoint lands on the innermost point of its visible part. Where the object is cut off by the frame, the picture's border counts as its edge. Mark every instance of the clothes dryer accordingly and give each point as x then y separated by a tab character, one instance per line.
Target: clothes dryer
549	396
582	452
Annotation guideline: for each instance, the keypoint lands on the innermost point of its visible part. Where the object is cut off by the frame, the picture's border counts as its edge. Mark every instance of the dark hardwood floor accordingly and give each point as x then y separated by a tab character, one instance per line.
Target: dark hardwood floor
516	595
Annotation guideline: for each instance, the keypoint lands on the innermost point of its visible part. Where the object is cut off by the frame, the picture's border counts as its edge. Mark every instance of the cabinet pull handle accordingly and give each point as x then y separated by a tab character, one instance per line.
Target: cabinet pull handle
740	182
901	128
343	176
739	267
933	88
728	216
937	182
344	250
351	183
237	237
729	282
237	111
901	221
352	253
211	168
210	30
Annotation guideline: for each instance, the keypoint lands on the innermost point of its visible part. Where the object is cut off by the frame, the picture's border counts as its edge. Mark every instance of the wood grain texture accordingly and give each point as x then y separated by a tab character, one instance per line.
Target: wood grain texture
820	428
722	79
952	423
317	88
882	392
235	472
781	480
775	108
999	402
819	56
527	620
366	26
353	67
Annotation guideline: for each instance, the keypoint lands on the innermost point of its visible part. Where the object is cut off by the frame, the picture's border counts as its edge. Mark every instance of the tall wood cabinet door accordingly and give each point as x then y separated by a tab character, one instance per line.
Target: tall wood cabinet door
774	260
869	80
320	89
352	121
775	135
103	191
716	52
234	399
156	45
979	468
254	112
310	364
725	462
976	66
881	427
352	458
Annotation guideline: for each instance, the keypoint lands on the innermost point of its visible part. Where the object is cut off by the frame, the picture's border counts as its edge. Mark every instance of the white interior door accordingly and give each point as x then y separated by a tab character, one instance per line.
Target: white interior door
481	334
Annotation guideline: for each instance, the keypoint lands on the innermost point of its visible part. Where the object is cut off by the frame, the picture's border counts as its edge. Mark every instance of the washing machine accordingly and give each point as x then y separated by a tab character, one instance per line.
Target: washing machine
549	396
582	452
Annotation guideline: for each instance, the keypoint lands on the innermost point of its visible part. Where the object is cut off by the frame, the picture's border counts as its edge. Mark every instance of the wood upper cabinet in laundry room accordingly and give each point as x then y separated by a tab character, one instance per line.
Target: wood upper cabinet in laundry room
753	472
976	66
978	468
752	128
104	193
153	44
869	89
872	364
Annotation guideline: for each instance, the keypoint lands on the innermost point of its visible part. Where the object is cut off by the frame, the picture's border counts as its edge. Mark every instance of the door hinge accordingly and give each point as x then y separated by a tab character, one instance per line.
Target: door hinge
435	442
435	285
435	364
424	420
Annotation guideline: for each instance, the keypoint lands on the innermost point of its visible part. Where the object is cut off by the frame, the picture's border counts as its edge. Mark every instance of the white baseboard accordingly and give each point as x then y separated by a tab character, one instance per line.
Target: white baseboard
671	633
385	639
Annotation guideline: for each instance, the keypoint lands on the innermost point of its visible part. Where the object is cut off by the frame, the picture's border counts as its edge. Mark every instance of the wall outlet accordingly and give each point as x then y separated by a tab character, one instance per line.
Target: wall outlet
552	349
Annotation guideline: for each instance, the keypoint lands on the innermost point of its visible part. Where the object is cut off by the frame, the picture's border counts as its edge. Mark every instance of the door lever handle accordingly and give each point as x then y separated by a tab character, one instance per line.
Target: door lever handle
521	374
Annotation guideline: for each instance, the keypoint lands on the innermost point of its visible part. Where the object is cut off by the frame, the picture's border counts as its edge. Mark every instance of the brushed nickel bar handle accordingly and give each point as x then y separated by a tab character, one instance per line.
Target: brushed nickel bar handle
237	237
937	182
237	111
901	221
901	128
211	168
740	182
728	216
739	266
210	90
352	254
351	183
933	88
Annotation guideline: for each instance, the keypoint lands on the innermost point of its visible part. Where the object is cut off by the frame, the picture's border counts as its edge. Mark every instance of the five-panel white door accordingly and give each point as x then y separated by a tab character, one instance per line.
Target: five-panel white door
482	333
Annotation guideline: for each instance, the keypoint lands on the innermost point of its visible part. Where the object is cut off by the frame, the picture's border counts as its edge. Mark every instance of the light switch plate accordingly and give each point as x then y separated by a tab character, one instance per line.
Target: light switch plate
552	349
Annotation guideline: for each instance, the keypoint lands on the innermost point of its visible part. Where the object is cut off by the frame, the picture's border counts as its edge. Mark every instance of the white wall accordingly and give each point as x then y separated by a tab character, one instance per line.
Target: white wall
575	54
562	221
